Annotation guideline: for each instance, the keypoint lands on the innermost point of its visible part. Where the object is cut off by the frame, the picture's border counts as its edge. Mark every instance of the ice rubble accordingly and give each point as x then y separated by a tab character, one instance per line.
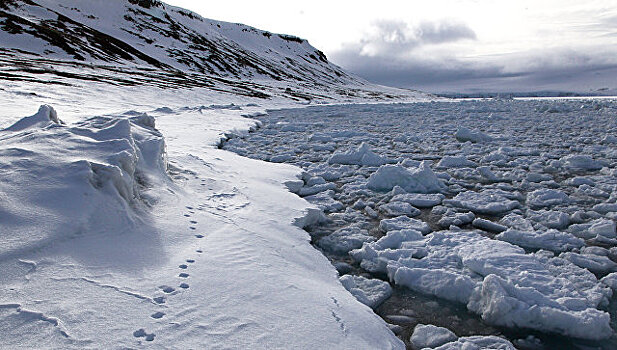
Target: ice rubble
542	193
551	295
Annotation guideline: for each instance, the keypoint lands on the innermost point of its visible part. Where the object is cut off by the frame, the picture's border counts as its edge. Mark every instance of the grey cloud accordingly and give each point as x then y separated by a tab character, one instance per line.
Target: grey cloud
557	69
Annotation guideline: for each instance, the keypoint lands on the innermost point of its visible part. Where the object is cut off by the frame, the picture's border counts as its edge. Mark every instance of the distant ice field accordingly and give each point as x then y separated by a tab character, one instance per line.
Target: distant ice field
487	217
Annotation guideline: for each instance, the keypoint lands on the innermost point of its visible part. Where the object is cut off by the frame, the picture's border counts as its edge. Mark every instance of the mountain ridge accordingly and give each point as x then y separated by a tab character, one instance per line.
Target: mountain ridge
160	42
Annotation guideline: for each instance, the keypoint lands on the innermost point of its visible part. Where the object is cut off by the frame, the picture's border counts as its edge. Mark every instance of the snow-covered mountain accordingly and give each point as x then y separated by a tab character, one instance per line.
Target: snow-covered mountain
148	42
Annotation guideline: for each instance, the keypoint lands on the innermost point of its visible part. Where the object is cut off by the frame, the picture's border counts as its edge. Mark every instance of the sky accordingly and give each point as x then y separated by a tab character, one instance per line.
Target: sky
448	45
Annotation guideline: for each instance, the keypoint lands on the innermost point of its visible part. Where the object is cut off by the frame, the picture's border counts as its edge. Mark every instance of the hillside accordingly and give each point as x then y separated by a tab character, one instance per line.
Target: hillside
146	42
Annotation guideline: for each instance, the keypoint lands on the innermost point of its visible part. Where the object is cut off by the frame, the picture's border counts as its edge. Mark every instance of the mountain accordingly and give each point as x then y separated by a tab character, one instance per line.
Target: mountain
133	42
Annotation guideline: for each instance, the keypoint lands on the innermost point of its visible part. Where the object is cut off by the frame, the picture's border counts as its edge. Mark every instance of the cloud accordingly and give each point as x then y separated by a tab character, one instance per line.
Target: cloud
389	37
427	56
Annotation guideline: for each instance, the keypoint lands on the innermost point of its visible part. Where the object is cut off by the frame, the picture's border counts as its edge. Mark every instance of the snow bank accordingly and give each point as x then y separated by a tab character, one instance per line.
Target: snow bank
416	180
96	172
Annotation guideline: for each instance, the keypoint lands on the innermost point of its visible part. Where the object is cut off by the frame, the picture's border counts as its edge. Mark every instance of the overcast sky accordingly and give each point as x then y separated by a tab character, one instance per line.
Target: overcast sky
448	45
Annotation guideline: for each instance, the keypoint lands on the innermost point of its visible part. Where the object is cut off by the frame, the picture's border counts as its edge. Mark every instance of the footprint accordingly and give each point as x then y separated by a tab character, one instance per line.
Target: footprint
183	266
159	300
157	314
187	207
187	215
199	250
193	228
142	333
199	236
190	261
183	275
193	222
168	289
184	285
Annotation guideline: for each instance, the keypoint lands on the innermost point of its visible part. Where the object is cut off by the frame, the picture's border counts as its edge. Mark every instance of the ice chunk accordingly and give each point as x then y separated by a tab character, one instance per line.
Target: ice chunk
456	162
415	180
594	263
501	302
581	162
552	240
478	342
404	222
550	219
345	239
419	200
485	202
430	336
610	280
463	135
370	292
360	156
487	225
546	197
399	208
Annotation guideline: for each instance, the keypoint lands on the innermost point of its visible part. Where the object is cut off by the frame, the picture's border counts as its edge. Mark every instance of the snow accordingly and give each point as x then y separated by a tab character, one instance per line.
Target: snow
430	336
140	223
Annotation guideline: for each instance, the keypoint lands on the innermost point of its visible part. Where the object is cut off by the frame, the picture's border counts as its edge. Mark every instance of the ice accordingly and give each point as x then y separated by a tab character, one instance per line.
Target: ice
488	225
601	265
361	156
430	336
546	198
417	180
552	295
455	162
478	343
419	200
402	223
370	292
486	202
345	239
463	134
399	208
552	240
581	162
